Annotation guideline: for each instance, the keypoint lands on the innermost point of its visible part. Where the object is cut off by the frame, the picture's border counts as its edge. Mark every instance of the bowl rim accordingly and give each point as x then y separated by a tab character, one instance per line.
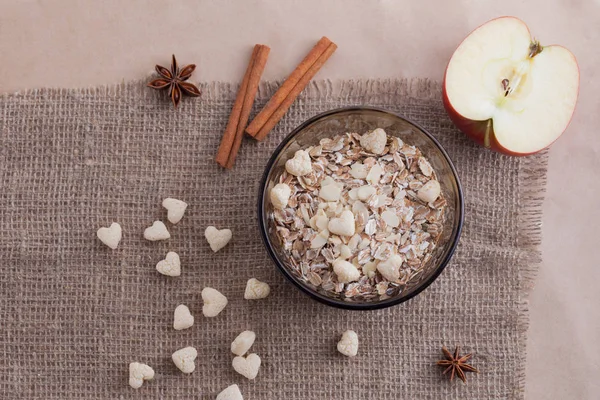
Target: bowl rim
340	303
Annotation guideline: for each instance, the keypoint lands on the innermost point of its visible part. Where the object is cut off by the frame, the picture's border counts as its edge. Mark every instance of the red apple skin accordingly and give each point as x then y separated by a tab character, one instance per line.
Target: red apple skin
476	129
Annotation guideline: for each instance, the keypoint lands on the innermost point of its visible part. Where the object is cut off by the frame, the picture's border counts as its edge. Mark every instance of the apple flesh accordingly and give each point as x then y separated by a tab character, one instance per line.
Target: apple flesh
507	92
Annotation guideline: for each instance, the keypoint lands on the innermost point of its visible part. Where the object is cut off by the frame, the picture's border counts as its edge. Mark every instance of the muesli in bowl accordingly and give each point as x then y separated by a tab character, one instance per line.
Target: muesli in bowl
357	217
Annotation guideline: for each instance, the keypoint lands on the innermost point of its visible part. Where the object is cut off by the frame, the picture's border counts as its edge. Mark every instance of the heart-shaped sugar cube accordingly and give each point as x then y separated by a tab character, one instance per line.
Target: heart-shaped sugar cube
230	393
280	195
330	189
110	236
182	318
247	366
242	343
214	302
430	191
345	271
184	359
344	225
300	165
217	239
171	265
374	141
138	373
348	344
175	209
358	170
158	231
256	289
390	268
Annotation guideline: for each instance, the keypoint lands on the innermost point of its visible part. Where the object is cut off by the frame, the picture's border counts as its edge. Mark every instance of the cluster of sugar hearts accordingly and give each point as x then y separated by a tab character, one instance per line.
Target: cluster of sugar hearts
171	266
214	301
246	366
112	235
184	359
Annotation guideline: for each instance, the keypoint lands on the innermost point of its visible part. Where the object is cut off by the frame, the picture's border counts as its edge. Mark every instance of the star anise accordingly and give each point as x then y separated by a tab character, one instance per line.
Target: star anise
175	81
456	364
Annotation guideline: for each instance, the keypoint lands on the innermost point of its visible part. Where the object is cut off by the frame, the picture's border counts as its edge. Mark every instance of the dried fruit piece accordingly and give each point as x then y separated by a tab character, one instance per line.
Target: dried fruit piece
320	240
369	268
320	221
345	252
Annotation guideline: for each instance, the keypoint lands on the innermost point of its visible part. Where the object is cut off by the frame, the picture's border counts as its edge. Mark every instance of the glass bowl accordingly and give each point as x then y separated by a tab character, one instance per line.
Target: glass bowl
363	119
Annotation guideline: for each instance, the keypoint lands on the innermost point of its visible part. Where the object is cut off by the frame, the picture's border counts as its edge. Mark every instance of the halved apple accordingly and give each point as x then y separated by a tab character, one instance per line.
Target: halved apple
509	93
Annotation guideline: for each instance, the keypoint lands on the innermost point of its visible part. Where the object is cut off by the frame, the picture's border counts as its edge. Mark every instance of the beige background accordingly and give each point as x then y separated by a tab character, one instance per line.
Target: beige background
71	43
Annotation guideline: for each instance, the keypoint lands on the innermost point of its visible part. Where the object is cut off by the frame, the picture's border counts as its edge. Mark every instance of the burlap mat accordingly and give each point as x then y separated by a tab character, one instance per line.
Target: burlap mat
74	313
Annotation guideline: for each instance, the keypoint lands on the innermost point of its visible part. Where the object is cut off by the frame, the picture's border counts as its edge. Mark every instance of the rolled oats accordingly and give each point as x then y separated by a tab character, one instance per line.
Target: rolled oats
363	216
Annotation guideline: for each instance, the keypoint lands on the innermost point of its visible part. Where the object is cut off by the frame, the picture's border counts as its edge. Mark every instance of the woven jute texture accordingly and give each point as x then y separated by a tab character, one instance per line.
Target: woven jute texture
74	313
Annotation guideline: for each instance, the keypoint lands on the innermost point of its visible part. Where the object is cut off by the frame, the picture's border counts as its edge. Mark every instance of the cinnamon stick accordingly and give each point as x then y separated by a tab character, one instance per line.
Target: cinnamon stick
257	69
234	118
293	94
287	86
